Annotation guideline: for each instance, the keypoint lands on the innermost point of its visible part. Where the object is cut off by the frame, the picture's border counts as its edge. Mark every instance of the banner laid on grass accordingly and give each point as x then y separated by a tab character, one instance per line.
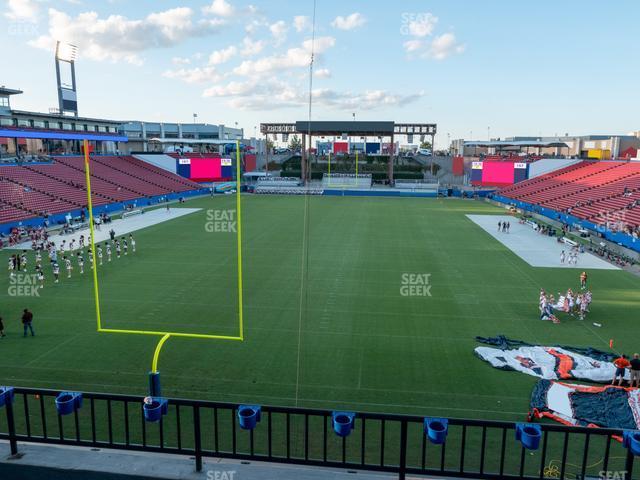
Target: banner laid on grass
581	405
551	363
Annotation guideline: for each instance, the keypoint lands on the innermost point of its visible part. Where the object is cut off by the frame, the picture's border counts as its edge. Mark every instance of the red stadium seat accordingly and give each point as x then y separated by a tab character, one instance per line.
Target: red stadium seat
594	191
32	190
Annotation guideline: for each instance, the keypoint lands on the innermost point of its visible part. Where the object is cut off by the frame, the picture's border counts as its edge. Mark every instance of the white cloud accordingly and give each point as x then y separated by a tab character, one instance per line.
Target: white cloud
194	75
22	10
279	32
231	89
271	94
321	44
368	100
222	56
254	25
322	73
180	61
441	47
258	94
116	37
444	46
413	45
221	8
251	47
293	58
350	22
301	23
422	25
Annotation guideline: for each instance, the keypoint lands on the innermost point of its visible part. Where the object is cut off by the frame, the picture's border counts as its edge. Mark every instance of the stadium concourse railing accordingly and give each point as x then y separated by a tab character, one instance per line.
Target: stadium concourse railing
395	444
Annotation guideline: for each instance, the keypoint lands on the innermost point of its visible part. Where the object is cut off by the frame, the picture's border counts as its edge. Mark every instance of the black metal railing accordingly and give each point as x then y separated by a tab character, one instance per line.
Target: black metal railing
378	442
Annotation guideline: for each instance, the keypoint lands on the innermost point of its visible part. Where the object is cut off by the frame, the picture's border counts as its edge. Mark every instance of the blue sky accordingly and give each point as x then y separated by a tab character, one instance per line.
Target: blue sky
518	67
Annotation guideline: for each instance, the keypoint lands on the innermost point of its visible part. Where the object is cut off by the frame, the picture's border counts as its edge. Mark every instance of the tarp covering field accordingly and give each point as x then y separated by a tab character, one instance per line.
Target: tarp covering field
549	362
587	406
579	405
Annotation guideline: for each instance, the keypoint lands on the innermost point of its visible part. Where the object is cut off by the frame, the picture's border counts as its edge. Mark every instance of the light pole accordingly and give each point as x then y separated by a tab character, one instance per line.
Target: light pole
195	115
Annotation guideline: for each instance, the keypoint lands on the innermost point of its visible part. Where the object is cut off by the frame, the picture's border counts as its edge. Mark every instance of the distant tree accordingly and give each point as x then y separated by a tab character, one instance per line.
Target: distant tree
426	145
269	145
295	143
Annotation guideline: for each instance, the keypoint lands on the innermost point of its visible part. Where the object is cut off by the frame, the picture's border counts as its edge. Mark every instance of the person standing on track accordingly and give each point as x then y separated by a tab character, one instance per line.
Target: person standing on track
621	363
56	272
583	280
12	267
27	322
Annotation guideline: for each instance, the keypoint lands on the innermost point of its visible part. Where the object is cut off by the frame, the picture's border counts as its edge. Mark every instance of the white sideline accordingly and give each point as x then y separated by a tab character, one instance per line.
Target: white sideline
535	249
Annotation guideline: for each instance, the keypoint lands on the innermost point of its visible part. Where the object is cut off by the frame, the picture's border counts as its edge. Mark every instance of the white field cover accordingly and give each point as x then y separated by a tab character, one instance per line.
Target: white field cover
549	363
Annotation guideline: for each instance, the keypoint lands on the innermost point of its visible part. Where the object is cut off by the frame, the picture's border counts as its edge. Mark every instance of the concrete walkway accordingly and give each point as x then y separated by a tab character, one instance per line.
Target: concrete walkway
121	226
53	462
535	249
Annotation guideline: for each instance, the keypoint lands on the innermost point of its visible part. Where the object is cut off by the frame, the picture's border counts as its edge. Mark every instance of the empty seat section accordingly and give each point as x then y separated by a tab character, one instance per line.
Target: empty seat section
594	191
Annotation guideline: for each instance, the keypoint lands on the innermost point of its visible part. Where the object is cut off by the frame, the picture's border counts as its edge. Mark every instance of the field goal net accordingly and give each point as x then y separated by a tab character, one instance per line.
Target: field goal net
347	180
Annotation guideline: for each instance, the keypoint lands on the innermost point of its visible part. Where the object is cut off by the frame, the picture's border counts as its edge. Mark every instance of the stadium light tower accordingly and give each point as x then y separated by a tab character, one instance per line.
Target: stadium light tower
67	96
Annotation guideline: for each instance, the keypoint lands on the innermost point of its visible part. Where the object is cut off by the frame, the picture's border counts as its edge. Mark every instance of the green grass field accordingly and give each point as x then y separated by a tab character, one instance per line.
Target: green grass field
325	323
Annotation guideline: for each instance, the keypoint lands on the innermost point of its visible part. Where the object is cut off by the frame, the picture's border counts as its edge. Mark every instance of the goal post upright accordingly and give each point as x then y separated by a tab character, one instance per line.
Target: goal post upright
163	334
96	290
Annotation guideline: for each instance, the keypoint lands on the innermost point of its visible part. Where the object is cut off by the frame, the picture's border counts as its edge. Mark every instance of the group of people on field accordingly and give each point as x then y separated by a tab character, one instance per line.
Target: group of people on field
572	303
623	364
66	253
504	226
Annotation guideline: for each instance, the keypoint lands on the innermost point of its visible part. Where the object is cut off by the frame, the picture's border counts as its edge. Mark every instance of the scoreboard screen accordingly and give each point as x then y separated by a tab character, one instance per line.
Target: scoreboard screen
498	174
205	169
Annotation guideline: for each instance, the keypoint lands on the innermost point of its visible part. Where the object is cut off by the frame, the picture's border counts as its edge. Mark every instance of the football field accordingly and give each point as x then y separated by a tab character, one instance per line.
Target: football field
361	303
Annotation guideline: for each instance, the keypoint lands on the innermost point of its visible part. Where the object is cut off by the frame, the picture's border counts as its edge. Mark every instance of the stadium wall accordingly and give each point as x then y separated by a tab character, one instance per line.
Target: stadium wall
444	192
379	193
